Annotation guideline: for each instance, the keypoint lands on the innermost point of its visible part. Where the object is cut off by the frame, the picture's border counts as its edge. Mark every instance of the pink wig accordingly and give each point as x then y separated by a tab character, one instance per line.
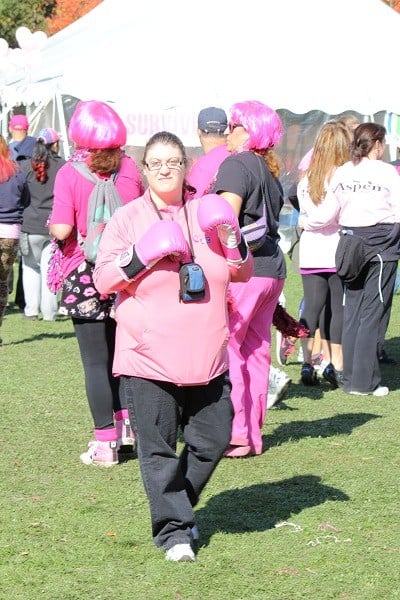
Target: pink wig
261	122
95	125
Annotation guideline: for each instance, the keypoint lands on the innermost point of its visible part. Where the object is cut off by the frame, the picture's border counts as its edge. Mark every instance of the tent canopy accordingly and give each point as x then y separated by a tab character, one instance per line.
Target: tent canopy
160	62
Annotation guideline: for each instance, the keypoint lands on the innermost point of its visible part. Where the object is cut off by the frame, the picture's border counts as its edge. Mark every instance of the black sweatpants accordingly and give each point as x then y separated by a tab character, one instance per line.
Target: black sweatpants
363	315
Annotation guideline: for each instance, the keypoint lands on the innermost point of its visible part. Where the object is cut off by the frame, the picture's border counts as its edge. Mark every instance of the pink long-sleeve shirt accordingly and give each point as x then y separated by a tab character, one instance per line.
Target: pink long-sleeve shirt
158	336
203	173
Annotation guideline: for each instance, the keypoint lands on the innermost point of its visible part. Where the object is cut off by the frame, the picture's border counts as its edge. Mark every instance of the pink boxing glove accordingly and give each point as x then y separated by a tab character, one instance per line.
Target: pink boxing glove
163	238
216	214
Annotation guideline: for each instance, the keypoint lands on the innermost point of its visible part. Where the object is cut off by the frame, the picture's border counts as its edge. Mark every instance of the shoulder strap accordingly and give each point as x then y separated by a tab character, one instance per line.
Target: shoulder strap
270	188
84	170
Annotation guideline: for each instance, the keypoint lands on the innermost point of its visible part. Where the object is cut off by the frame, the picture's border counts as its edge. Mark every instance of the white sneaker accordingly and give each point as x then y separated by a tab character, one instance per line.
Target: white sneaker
300	355
180	553
381	390
278	342
278	384
320	368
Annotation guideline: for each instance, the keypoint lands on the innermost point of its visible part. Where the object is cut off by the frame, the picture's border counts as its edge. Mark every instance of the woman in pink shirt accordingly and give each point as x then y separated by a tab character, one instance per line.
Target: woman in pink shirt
172	333
98	134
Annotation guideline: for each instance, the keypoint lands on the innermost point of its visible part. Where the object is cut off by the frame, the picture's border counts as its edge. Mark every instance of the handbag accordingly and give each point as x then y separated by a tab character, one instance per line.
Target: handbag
55	275
80	298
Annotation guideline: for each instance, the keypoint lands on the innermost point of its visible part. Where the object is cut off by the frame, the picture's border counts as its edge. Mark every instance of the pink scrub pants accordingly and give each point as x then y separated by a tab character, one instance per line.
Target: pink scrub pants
249	347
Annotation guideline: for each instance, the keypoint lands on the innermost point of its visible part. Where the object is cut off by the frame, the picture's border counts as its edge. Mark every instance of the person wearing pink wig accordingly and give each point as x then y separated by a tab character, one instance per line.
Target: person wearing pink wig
99	134
251	170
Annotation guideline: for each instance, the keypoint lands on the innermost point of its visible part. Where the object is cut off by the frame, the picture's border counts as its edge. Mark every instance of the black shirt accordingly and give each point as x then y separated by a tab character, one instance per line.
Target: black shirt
246	174
42	195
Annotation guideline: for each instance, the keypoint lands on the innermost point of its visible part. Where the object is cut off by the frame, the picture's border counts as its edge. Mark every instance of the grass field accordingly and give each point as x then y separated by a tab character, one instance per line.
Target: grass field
315	516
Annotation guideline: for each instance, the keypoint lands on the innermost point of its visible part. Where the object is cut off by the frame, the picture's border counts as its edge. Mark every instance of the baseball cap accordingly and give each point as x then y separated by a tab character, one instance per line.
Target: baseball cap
212	120
48	135
19	122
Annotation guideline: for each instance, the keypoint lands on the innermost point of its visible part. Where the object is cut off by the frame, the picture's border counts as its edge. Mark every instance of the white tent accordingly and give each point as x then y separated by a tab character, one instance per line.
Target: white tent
160	62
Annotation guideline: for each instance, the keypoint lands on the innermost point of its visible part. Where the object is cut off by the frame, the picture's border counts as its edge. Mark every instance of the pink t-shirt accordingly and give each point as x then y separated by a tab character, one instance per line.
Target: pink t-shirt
203	173
158	336
71	193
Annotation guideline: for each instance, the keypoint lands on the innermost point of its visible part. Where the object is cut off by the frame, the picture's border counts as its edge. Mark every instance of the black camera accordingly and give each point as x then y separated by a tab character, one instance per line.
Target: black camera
192	283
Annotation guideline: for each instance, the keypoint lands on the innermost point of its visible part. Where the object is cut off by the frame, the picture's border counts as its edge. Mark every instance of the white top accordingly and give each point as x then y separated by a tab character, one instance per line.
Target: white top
359	196
317	247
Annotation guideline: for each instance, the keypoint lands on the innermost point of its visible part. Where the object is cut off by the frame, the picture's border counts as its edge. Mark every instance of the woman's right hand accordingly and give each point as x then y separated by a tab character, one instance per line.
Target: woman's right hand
164	238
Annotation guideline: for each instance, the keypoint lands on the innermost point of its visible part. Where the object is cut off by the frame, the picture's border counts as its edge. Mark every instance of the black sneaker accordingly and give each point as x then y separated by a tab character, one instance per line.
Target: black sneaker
384	359
308	375
329	374
339	378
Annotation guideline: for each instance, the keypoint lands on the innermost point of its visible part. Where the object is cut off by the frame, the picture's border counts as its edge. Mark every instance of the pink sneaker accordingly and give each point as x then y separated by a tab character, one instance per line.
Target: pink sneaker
237	451
104	454
126	437
285	347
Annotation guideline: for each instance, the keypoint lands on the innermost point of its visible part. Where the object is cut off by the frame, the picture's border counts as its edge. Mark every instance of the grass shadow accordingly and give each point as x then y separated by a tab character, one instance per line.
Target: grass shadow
392	348
41	336
13	309
341	424
260	507
311	392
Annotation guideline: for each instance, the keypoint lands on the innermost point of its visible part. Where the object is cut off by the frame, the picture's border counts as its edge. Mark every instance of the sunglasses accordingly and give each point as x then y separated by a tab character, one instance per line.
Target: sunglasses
233	126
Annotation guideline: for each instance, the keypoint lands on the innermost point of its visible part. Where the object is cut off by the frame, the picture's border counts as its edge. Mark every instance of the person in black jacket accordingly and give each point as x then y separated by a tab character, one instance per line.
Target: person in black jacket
35	245
21	143
21	146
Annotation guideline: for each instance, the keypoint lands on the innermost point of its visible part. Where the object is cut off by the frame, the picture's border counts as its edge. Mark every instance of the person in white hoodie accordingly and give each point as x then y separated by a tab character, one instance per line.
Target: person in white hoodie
322	288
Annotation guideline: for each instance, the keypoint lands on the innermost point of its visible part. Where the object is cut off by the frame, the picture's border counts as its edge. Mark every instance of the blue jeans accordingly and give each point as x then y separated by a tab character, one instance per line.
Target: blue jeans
173	483
38	297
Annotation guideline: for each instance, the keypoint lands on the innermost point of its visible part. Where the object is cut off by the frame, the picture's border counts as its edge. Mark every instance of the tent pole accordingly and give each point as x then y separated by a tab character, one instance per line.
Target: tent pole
4	121
63	127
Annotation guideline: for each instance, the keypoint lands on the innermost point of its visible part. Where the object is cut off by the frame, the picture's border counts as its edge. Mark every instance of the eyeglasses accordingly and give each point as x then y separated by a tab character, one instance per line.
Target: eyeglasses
233	126
172	163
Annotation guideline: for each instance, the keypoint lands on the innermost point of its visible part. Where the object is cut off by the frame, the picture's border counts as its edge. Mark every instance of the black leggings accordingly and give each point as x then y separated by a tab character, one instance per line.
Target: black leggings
323	305
96	341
